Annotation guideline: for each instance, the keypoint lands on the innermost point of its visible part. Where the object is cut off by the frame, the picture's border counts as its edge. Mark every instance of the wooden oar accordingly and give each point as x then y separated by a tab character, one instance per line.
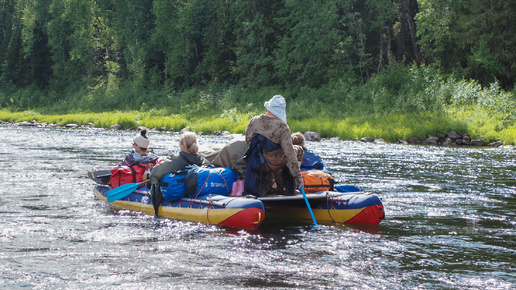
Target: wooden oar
122	191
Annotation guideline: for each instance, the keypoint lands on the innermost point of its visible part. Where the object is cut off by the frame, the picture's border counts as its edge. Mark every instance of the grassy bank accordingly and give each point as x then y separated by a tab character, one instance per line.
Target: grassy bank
399	103
390	127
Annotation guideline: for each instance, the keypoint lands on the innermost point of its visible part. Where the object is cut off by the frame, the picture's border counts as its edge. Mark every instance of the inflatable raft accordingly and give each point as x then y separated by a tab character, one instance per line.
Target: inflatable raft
350	206
234	212
328	207
249	212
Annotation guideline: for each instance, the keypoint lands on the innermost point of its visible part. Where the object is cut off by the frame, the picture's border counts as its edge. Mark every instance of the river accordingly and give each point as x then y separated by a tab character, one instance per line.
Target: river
450	222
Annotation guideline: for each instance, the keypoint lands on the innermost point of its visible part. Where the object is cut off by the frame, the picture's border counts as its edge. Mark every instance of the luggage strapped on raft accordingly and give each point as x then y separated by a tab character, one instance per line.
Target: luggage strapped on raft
197	182
318	180
128	174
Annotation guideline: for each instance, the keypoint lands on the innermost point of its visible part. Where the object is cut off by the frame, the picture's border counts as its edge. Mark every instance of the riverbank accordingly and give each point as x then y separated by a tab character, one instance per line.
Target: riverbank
399	104
428	129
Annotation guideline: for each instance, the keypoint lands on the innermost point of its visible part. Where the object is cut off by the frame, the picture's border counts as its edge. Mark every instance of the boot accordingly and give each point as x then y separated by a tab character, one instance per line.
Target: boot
156	197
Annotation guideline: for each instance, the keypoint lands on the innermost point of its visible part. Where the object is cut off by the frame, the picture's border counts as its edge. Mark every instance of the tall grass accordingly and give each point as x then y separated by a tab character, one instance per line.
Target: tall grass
391	127
399	103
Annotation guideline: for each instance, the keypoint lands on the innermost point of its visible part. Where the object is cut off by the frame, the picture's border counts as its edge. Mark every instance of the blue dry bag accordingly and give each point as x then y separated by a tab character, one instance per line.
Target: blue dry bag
210	180
173	185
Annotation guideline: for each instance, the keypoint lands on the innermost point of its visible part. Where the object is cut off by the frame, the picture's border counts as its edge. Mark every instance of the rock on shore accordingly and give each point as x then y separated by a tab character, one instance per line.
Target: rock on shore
451	139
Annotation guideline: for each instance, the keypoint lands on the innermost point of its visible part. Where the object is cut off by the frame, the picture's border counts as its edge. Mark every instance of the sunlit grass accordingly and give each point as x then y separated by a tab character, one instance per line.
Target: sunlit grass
508	135
172	122
479	124
401	102
134	119
101	120
391	127
214	124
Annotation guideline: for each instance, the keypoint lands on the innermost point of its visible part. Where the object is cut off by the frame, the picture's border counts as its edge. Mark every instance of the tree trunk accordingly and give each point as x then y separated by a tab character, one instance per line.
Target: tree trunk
412	28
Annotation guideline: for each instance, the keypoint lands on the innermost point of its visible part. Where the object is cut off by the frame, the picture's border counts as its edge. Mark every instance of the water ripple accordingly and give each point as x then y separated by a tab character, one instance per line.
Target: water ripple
450	222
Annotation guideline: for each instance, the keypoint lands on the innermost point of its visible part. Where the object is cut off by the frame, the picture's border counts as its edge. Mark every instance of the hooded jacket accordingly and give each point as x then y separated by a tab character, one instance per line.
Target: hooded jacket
174	163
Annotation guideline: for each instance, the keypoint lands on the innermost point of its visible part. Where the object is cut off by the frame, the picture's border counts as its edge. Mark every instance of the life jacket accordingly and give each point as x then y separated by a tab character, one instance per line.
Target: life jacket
127	174
197	182
318	180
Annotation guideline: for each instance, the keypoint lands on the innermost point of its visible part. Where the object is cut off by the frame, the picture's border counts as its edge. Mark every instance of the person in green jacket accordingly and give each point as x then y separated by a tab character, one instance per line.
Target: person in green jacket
187	158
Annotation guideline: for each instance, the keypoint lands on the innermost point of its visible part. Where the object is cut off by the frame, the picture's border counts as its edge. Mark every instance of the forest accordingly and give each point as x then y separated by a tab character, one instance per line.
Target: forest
451	63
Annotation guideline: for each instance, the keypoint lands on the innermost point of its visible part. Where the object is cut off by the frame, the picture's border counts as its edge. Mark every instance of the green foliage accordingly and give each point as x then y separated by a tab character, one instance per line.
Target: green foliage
390	127
192	60
434	21
508	135
210	125
307	43
69	45
470	38
256	38
172	123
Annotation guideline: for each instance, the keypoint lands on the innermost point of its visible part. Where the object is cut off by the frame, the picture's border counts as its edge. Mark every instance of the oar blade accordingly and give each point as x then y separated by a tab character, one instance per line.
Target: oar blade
121	191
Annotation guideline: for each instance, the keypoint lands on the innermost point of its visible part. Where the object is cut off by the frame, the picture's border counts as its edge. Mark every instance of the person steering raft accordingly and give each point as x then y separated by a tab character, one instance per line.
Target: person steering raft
272	165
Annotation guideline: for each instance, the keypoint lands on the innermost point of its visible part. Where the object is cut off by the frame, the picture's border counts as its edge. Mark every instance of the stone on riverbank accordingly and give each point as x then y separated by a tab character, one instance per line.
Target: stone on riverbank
415	141
478	143
451	139
431	140
372	140
26	124
495	144
312	136
449	142
453	135
116	127
222	133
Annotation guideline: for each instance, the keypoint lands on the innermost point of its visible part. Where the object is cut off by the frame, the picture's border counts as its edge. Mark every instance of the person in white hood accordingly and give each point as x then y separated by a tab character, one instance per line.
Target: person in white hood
273	126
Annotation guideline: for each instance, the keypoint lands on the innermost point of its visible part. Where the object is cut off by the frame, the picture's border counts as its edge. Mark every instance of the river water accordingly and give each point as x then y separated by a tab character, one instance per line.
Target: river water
450	222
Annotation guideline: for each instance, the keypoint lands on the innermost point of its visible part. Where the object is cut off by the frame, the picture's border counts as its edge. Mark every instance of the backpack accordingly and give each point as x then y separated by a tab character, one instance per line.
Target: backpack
210	180
127	174
318	180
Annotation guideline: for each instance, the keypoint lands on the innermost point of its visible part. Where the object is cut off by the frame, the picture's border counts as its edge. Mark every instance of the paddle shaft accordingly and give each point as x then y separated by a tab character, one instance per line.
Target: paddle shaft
308	205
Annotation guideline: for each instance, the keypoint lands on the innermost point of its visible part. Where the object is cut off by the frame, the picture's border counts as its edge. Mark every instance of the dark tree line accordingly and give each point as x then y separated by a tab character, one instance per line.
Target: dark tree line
69	45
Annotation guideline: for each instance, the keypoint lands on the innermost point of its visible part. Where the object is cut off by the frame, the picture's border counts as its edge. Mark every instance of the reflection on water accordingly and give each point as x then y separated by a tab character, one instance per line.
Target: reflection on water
450	222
